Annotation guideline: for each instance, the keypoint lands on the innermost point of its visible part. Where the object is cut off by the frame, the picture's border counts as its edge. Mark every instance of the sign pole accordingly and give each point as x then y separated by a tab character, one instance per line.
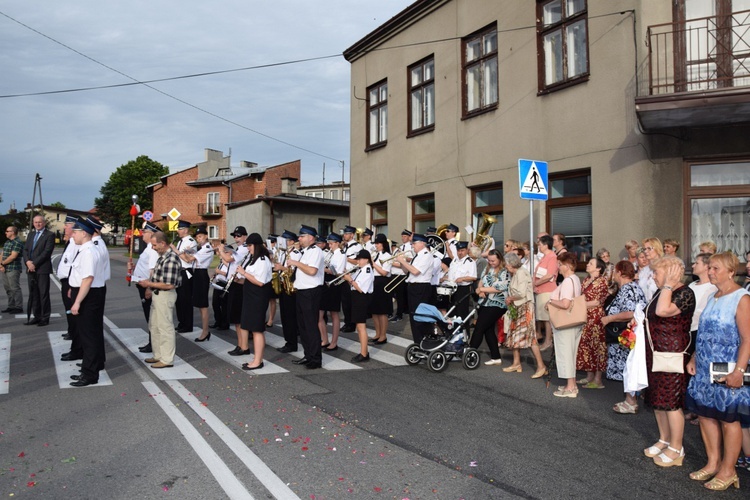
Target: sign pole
133	213
532	249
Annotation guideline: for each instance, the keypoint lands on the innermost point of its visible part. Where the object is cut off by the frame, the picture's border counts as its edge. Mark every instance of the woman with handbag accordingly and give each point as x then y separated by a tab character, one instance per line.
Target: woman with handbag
592	350
566	337
618	314
520	330
668	318
723	407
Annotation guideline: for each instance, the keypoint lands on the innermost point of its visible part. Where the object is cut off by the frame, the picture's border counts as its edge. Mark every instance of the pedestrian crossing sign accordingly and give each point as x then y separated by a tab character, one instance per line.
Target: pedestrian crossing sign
532	177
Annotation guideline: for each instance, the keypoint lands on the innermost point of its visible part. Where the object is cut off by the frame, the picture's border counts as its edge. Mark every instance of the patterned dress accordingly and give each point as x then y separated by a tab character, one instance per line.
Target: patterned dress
627	299
521	331
666	391
718	340
592	350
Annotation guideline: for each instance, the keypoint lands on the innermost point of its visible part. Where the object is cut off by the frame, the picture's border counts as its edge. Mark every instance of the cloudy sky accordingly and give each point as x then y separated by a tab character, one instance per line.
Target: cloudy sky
75	140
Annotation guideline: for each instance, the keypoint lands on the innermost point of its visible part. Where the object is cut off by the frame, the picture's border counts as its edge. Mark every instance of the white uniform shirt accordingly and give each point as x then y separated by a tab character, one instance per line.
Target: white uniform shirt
204	256
338	262
63	267
365	278
387	267
311	256
104	270
424	261
146	262
186	245
404	247
261	269
370	247
437	268
83	265
462	268
220	278
452	245
352	249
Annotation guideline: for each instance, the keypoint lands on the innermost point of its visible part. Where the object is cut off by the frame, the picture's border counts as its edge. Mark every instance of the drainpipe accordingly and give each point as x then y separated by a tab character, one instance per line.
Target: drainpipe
271	224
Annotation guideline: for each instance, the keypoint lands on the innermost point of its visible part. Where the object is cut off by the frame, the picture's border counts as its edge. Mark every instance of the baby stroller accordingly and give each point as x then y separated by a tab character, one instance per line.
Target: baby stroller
447	340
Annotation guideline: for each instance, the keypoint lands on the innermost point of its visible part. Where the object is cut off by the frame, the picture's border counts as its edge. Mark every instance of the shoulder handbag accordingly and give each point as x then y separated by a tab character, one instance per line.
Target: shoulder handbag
574	315
667	362
613	329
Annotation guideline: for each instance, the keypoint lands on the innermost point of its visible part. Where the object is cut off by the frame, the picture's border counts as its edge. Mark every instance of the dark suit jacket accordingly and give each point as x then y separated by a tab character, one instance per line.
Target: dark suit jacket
42	254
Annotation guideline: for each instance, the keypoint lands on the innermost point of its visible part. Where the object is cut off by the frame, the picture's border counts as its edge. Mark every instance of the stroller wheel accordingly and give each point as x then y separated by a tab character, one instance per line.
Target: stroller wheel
412	354
471	358
437	361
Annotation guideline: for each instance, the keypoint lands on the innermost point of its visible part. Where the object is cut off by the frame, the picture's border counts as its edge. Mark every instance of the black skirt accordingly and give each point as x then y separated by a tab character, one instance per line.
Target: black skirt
360	306
254	305
235	303
382	302
331	300
200	288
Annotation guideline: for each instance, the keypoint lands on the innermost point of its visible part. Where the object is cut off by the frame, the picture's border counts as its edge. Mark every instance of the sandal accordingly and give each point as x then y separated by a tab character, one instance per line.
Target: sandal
623	407
664	460
717	484
701	475
654	450
593	385
583	381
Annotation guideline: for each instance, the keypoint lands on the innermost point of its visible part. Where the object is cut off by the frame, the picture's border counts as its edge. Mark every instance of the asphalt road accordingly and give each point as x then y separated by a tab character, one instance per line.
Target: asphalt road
206	429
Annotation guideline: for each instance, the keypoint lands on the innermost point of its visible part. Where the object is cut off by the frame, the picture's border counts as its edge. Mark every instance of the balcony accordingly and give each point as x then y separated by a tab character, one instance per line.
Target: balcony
698	73
210	210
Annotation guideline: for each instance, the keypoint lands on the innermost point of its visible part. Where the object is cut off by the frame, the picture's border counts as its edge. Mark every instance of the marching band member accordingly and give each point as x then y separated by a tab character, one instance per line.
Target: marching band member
351	249
201	259
399	293
144	268
101	276
309	285
367	242
450	241
437	262
63	271
419	289
273	252
255	296
185	246
234	307
362	283
463	272
443	302
382	304
288	302
331	301
220	300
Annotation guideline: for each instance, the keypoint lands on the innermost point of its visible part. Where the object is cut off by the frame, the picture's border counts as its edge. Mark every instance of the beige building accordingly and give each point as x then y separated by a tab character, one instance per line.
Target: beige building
337	190
640	107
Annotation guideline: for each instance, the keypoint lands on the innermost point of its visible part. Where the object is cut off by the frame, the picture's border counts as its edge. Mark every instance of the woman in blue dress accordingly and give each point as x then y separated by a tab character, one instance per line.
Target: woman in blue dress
723	408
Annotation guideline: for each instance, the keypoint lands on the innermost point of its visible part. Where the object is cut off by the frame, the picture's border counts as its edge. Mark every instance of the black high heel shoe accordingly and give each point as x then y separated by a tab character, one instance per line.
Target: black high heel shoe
207	337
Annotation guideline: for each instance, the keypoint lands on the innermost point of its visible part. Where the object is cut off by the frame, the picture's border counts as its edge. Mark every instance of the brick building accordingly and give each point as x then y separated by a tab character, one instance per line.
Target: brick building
201	192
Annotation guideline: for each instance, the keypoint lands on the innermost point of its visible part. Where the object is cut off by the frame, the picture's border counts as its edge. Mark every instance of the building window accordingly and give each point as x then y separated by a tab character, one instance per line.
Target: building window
562	37
479	61
377	115
718	206
325	227
345	195
334	194
422	96
422	213
379	217
315	194
569	212
212	203
213	232
488	200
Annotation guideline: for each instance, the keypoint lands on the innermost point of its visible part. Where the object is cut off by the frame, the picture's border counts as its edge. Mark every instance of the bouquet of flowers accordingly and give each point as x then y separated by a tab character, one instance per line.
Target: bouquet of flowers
512	311
627	338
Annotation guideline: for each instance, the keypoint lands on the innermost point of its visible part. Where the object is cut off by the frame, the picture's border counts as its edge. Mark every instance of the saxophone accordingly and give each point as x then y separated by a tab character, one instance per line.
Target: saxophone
275	278
284	278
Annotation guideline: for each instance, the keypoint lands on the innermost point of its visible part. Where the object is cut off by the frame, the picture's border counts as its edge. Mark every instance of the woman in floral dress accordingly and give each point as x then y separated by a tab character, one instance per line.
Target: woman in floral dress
592	350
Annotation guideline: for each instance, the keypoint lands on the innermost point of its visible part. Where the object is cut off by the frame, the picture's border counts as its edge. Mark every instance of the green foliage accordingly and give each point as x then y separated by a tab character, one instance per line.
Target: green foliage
131	178
57	204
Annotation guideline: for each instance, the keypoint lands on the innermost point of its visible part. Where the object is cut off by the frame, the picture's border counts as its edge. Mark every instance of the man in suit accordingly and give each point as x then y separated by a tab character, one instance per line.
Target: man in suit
38	251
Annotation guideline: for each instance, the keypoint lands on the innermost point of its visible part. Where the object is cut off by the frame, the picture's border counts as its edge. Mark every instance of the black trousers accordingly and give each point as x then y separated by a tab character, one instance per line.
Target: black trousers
308	307
184	303
418	293
146	305
402	304
346	304
460	299
288	313
39	295
91	331
75	346
220	305
485	329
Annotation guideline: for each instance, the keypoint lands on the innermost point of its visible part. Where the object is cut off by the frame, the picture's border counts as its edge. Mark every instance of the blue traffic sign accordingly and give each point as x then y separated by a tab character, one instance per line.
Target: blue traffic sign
532	178
148	215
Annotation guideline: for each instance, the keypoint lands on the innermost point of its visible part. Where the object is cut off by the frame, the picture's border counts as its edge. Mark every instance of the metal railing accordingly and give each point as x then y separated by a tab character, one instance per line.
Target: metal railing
210	209
701	54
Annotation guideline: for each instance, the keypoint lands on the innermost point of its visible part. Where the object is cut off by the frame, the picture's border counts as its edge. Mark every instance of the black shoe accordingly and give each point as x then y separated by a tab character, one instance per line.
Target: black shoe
234	351
334	348
312	366
83	382
207	337
32	322
246	367
286	348
302	361
349	329
79	365
146	348
44	322
6	310
239	352
69	356
67	337
15	311
379	342
360	359
184	330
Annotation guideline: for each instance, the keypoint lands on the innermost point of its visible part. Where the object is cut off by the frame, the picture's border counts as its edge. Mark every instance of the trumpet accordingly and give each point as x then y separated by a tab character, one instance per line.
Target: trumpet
407	254
340	278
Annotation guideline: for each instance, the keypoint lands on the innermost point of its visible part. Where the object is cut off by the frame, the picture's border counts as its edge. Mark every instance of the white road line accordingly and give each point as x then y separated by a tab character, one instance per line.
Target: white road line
132	337
65	369
219	348
329	362
393	339
375	353
23	316
224	476
4	363
265	475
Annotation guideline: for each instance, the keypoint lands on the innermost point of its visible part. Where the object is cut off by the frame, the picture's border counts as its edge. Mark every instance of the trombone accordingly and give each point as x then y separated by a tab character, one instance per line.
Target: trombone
434	242
341	277
408	254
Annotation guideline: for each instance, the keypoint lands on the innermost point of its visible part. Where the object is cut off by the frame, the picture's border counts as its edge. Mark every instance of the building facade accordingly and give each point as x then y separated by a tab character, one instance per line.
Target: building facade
640	107
338	190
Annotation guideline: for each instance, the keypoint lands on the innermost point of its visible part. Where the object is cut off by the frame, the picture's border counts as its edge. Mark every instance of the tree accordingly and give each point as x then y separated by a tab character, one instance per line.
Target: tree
57	204
131	178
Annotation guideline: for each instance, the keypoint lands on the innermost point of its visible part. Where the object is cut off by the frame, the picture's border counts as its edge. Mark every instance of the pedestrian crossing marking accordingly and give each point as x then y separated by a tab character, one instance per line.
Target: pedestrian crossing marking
65	369
4	363
393	339
329	362
181	370
219	348
23	316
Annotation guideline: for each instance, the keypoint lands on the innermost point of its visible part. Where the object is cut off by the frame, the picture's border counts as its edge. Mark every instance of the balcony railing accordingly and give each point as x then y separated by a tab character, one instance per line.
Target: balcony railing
210	210
709	53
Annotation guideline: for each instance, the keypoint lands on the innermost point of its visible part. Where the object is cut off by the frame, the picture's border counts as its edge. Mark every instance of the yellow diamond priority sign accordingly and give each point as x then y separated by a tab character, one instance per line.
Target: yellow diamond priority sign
174	214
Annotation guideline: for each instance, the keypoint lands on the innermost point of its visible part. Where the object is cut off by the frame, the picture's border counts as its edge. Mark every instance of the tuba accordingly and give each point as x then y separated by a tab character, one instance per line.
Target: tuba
482	239
441	231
